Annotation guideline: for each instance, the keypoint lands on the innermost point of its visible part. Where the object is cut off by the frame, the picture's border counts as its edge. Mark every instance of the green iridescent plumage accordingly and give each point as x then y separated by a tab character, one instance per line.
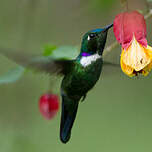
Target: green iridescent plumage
81	78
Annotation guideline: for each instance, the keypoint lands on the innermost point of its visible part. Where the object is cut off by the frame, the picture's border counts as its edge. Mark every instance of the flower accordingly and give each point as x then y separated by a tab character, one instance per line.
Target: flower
130	31
49	105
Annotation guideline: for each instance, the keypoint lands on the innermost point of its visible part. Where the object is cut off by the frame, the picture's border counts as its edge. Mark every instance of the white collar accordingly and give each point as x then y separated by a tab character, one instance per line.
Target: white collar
87	60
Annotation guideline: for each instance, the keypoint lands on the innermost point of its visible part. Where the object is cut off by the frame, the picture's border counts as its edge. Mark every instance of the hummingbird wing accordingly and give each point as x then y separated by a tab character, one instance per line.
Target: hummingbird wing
38	62
51	65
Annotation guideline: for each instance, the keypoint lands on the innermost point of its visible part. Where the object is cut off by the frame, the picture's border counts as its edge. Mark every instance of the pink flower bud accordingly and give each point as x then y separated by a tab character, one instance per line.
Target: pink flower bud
49	105
127	25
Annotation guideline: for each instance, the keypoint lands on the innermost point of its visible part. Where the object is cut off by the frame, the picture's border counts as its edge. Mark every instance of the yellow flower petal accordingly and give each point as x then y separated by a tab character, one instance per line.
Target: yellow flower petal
135	56
148	68
136	59
125	68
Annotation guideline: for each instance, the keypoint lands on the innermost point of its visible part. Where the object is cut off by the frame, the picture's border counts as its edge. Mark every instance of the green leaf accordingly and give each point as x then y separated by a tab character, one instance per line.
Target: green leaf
67	52
48	49
12	75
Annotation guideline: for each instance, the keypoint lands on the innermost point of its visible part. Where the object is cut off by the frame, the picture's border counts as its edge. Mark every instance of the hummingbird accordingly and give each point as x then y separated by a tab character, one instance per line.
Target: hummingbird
79	75
82	75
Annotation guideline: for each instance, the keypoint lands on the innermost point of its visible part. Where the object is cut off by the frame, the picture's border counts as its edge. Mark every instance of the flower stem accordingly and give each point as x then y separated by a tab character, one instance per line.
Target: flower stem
149	14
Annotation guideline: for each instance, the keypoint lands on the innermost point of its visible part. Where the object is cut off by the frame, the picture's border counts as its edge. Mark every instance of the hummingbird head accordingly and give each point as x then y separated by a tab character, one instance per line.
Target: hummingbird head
93	42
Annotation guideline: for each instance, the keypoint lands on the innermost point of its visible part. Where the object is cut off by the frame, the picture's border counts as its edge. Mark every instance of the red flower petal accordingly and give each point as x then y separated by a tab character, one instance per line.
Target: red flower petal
49	105
128	24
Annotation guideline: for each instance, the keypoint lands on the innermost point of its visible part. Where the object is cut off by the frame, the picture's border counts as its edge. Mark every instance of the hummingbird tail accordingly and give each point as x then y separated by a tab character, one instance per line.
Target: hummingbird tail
68	115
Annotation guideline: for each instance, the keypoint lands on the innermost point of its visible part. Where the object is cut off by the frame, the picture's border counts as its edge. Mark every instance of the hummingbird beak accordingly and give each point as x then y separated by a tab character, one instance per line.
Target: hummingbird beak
108	27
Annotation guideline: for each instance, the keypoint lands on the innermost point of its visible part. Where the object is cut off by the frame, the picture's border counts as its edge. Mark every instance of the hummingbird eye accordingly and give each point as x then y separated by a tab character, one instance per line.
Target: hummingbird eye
91	36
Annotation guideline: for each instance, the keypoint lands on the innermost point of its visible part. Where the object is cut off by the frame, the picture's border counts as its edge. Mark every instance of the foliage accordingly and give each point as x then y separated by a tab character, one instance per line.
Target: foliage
12	75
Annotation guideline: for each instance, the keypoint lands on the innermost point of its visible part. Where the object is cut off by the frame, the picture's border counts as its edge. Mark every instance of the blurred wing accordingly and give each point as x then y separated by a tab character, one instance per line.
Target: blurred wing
50	65
38	63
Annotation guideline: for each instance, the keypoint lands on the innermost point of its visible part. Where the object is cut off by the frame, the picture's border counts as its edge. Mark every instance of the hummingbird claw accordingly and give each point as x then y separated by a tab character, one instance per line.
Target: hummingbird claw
83	98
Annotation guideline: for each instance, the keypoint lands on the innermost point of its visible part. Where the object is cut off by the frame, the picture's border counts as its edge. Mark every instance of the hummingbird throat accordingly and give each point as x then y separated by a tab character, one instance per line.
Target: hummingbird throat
87	60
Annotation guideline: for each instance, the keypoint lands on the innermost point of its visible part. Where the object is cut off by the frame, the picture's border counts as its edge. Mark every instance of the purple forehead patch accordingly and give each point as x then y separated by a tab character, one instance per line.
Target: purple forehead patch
85	54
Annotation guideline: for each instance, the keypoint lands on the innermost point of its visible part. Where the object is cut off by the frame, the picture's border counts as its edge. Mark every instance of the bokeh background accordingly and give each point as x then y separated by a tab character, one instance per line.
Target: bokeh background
116	115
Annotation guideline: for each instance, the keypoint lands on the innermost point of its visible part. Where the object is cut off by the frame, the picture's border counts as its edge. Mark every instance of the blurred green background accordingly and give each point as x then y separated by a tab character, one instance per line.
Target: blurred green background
116	115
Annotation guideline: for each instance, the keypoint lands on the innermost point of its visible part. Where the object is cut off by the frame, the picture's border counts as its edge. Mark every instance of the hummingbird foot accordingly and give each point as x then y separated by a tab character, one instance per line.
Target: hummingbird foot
83	98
